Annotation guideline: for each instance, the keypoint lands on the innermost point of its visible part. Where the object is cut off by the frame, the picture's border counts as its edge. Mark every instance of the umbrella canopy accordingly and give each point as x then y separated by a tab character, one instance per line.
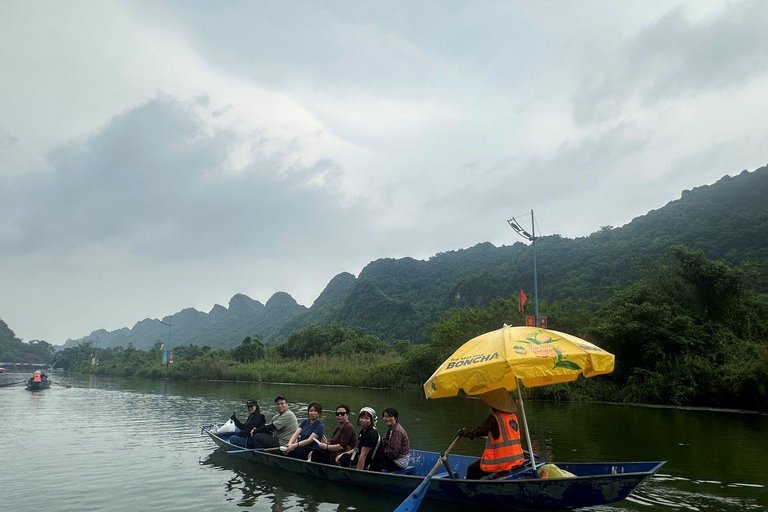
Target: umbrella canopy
538	357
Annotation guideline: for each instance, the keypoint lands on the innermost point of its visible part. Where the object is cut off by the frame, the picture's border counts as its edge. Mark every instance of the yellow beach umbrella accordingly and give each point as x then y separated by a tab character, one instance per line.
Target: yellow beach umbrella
535	356
531	355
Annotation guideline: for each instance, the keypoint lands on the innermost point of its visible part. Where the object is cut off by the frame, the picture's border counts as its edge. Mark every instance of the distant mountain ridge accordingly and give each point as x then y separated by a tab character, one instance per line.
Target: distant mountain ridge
221	327
398	298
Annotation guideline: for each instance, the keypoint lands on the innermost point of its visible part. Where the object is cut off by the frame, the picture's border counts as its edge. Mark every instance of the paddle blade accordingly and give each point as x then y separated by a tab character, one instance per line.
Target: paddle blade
11	384
414	499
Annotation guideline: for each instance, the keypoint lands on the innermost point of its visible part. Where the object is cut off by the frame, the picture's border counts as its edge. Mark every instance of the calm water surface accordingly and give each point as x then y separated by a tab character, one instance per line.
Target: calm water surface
129	444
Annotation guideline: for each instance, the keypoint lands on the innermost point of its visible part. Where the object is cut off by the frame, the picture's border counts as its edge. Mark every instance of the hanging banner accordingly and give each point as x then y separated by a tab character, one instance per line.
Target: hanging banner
530	321
543	322
165	357
170	357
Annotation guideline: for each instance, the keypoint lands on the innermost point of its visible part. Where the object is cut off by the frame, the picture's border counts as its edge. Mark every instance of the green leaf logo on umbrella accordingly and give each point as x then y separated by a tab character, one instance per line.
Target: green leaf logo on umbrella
562	362
534	338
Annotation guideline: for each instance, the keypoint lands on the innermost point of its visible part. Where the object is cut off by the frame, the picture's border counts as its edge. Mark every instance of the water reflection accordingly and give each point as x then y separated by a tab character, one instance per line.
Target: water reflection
280	491
709	497
277	491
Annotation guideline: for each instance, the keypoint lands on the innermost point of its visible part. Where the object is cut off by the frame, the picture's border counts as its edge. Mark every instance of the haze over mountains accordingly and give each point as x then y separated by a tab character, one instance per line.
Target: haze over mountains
398	298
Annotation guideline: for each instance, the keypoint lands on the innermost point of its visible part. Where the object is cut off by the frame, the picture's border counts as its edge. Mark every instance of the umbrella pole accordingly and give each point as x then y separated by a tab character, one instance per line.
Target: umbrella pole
525	422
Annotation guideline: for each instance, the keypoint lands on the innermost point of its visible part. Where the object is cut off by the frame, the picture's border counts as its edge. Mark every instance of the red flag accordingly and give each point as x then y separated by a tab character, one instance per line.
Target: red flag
523	300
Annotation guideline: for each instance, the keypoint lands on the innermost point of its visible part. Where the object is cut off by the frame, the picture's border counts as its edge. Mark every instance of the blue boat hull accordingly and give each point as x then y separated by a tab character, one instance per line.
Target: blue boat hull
594	484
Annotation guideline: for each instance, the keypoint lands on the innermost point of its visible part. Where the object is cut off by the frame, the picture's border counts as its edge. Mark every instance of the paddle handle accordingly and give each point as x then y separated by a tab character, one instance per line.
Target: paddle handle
255	450
443	458
412	502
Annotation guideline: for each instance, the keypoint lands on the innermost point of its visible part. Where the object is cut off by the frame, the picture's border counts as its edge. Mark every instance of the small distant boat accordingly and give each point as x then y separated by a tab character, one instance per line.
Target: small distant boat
593	484
38	386
38	382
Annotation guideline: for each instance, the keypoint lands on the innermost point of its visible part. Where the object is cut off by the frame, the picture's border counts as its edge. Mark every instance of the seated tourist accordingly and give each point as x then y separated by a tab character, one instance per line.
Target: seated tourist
302	442
278	431
255	420
343	440
395	442
368	453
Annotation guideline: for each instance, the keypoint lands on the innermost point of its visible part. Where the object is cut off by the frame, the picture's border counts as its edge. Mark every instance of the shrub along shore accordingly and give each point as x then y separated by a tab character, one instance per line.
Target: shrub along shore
691	332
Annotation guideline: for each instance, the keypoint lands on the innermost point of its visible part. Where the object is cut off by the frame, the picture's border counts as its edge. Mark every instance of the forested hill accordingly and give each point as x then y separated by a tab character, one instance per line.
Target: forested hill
14	350
397	299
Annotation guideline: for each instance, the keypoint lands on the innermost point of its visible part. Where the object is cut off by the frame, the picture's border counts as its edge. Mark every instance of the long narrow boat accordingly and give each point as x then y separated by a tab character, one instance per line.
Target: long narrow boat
38	386
594	483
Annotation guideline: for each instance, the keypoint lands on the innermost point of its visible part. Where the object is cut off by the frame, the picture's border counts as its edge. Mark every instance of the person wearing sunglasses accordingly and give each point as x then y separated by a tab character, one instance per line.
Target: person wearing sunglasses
343	440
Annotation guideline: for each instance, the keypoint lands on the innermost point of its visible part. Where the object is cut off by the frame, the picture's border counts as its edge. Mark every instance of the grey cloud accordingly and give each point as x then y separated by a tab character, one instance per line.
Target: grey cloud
676	56
564	189
403	49
7	141
573	167
155	180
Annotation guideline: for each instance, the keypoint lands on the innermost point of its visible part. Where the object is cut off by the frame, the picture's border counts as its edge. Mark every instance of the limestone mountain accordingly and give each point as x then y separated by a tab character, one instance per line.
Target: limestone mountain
399	298
223	327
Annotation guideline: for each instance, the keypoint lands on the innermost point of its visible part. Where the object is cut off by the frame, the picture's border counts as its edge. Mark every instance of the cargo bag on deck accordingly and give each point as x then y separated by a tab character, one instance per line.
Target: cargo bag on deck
227	428
552	471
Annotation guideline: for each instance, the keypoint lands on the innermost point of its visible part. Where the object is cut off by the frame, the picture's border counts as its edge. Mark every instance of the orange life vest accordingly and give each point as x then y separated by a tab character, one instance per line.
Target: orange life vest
36	378
504	452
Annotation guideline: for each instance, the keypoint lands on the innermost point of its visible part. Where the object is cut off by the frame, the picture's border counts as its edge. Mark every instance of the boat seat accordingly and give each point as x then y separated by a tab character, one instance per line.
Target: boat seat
521	474
408	470
499	475
441	474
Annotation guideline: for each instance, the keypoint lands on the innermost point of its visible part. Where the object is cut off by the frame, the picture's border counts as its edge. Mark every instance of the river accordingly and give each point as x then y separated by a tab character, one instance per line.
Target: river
131	444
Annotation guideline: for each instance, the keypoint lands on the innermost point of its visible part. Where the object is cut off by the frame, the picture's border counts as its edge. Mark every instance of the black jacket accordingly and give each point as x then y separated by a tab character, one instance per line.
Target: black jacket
255	420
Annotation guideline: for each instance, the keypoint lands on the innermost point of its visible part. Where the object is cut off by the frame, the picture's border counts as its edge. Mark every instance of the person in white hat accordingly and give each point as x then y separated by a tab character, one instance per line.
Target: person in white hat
503	450
369	453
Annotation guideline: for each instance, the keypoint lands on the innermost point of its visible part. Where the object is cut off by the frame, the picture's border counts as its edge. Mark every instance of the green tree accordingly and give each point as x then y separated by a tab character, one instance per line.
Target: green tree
691	331
250	350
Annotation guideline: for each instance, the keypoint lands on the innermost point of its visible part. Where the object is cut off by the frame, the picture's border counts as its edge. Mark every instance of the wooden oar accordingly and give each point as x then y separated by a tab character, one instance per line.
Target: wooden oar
412	502
255	450
12	384
62	385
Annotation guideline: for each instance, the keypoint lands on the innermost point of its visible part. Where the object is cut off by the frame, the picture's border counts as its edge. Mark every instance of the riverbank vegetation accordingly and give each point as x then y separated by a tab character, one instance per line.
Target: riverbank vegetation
691	331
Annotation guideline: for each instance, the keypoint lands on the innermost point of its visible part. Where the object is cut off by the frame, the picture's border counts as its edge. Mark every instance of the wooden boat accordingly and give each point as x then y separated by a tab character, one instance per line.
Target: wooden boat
594	484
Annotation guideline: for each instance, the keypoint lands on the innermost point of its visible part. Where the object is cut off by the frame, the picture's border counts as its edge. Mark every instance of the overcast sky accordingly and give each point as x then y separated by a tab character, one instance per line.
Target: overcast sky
156	156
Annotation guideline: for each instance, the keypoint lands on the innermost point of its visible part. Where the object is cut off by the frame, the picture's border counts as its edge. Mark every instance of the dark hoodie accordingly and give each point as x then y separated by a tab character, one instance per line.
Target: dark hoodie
255	420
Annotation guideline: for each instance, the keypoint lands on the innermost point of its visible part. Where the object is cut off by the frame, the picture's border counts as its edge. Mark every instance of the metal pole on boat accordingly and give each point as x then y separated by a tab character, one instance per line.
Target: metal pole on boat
535	277
531	237
525	422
